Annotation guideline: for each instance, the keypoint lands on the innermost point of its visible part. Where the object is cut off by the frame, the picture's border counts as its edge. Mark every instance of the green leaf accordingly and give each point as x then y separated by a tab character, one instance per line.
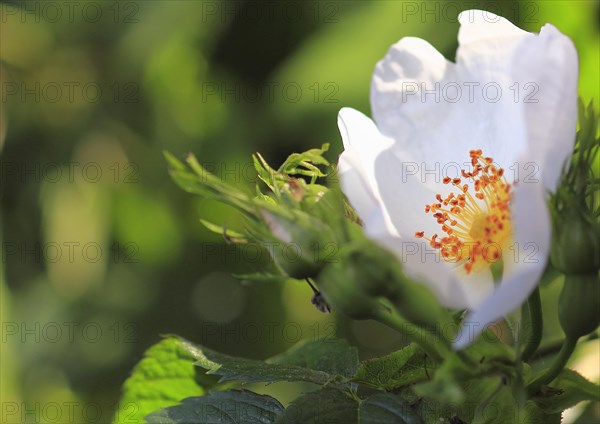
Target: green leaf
503	409
567	390
282	180
322	406
173	162
231	368
264	171
262	277
403	367
165	375
333	356
487	401
386	408
225	232
494	403
532	414
306	163
231	407
197	180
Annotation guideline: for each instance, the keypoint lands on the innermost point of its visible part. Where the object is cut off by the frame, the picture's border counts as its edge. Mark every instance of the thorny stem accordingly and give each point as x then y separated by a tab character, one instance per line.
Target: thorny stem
551	373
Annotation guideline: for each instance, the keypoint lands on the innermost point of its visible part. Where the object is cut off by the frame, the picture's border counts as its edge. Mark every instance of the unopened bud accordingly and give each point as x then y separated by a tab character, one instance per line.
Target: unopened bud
576	243
340	285
369	273
579	304
306	244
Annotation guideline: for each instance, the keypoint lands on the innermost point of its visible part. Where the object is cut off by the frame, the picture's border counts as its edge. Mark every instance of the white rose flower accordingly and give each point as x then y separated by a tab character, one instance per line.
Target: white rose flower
453	175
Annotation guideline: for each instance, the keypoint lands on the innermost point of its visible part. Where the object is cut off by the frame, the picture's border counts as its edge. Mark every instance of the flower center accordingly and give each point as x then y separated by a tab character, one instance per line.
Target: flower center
476	221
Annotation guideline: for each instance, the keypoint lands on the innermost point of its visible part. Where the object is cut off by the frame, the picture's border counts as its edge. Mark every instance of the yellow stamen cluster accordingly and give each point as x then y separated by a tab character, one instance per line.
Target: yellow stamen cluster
476	221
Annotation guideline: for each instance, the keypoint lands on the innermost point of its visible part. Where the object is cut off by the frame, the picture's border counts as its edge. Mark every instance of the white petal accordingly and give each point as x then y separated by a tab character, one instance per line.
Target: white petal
547	66
425	266
537	72
478	286
447	281
408	65
356	187
411	66
437	111
360	133
486	47
378	224
524	263
486	39
362	142
484	59
404	195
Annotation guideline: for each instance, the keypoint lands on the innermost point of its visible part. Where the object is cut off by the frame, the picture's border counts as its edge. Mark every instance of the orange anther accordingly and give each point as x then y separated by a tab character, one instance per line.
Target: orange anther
480	224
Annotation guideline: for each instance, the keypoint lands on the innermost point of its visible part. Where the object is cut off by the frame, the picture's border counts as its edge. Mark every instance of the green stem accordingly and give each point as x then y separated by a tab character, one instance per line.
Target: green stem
537	325
551	373
420	337
554	347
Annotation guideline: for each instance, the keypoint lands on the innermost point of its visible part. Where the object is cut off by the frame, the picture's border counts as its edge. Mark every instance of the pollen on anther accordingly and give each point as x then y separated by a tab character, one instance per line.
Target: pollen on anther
469	223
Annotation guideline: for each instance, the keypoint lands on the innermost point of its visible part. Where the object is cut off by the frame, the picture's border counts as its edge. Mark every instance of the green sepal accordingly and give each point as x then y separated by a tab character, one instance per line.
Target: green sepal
300	244
339	283
194	178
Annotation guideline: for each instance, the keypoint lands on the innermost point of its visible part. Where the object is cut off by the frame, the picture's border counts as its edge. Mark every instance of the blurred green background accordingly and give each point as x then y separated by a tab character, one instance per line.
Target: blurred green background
101	252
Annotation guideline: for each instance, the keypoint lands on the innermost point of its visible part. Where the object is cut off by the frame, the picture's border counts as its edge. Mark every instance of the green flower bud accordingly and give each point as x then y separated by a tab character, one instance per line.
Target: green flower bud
369	272
579	305
299	192
574	205
303	245
385	278
576	244
340	286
